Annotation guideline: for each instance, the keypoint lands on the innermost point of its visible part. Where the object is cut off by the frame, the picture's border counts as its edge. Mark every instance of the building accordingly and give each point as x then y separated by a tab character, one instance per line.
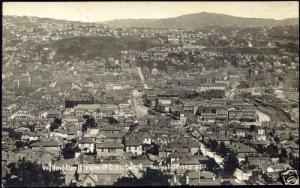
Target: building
82	98
134	146
95	110
109	149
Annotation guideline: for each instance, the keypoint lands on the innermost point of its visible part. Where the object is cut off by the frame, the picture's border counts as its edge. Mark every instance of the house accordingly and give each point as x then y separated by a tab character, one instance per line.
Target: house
291	147
82	98
102	174
109	149
221	113
190	106
147	138
86	145
206	178
109	130
221	139
241	131
30	136
70	134
261	130
261	143
257	161
4	155
177	154
164	151
242	114
207	117
242	175
161	139
95	110
71	123
110	137
192	145
92	133
134	146
48	144
202	160
242	150
70	175
52	114
190	163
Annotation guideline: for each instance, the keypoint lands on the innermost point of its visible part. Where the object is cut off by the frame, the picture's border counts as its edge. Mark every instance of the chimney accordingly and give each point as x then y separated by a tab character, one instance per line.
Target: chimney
187	180
175	179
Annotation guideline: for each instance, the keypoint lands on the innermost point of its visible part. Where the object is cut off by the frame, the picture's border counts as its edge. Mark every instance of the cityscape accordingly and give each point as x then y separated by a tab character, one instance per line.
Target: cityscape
191	100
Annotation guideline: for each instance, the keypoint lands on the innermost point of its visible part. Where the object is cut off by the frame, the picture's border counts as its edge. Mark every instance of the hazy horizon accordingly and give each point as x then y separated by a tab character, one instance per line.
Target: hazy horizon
107	11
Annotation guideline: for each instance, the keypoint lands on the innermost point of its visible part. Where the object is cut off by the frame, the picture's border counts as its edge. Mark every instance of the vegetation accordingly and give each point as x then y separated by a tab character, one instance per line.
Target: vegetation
226	182
68	151
294	162
89	123
212	166
14	135
28	174
230	164
55	124
97	46
154	149
272	150
151	177
267	179
21	144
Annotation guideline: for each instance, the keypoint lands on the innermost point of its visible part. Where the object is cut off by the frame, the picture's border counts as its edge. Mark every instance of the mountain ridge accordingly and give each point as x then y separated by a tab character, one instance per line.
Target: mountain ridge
200	19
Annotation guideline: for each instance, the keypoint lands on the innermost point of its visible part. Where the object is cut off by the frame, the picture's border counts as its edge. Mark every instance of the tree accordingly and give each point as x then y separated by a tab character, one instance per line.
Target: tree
226	182
55	124
213	145
276	139
272	150
267	179
294	162
28	174
154	150
20	144
68	151
151	177
212	165
252	179
283	155
14	135
260	149
89	123
252	128
222	150
230	164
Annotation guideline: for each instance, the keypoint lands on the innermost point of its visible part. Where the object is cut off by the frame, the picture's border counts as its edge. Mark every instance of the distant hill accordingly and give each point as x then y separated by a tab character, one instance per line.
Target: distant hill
200	19
26	19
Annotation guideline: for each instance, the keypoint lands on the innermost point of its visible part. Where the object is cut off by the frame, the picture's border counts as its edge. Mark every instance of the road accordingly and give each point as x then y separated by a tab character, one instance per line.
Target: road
232	91
142	77
276	115
6	67
263	117
219	160
137	101
10	60
140	109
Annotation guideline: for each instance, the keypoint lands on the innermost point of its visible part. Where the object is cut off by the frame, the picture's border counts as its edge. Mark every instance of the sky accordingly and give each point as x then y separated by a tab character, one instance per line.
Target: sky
104	11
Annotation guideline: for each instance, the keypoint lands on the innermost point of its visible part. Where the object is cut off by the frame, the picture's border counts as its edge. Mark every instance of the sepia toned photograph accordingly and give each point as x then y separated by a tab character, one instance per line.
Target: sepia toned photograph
194	93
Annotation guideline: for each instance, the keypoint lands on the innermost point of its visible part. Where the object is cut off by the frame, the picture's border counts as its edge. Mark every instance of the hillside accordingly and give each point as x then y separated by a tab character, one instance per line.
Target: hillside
200	19
97	46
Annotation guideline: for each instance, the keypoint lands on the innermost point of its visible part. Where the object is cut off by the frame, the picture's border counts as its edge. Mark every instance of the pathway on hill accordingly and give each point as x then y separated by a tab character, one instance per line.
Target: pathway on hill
142	77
